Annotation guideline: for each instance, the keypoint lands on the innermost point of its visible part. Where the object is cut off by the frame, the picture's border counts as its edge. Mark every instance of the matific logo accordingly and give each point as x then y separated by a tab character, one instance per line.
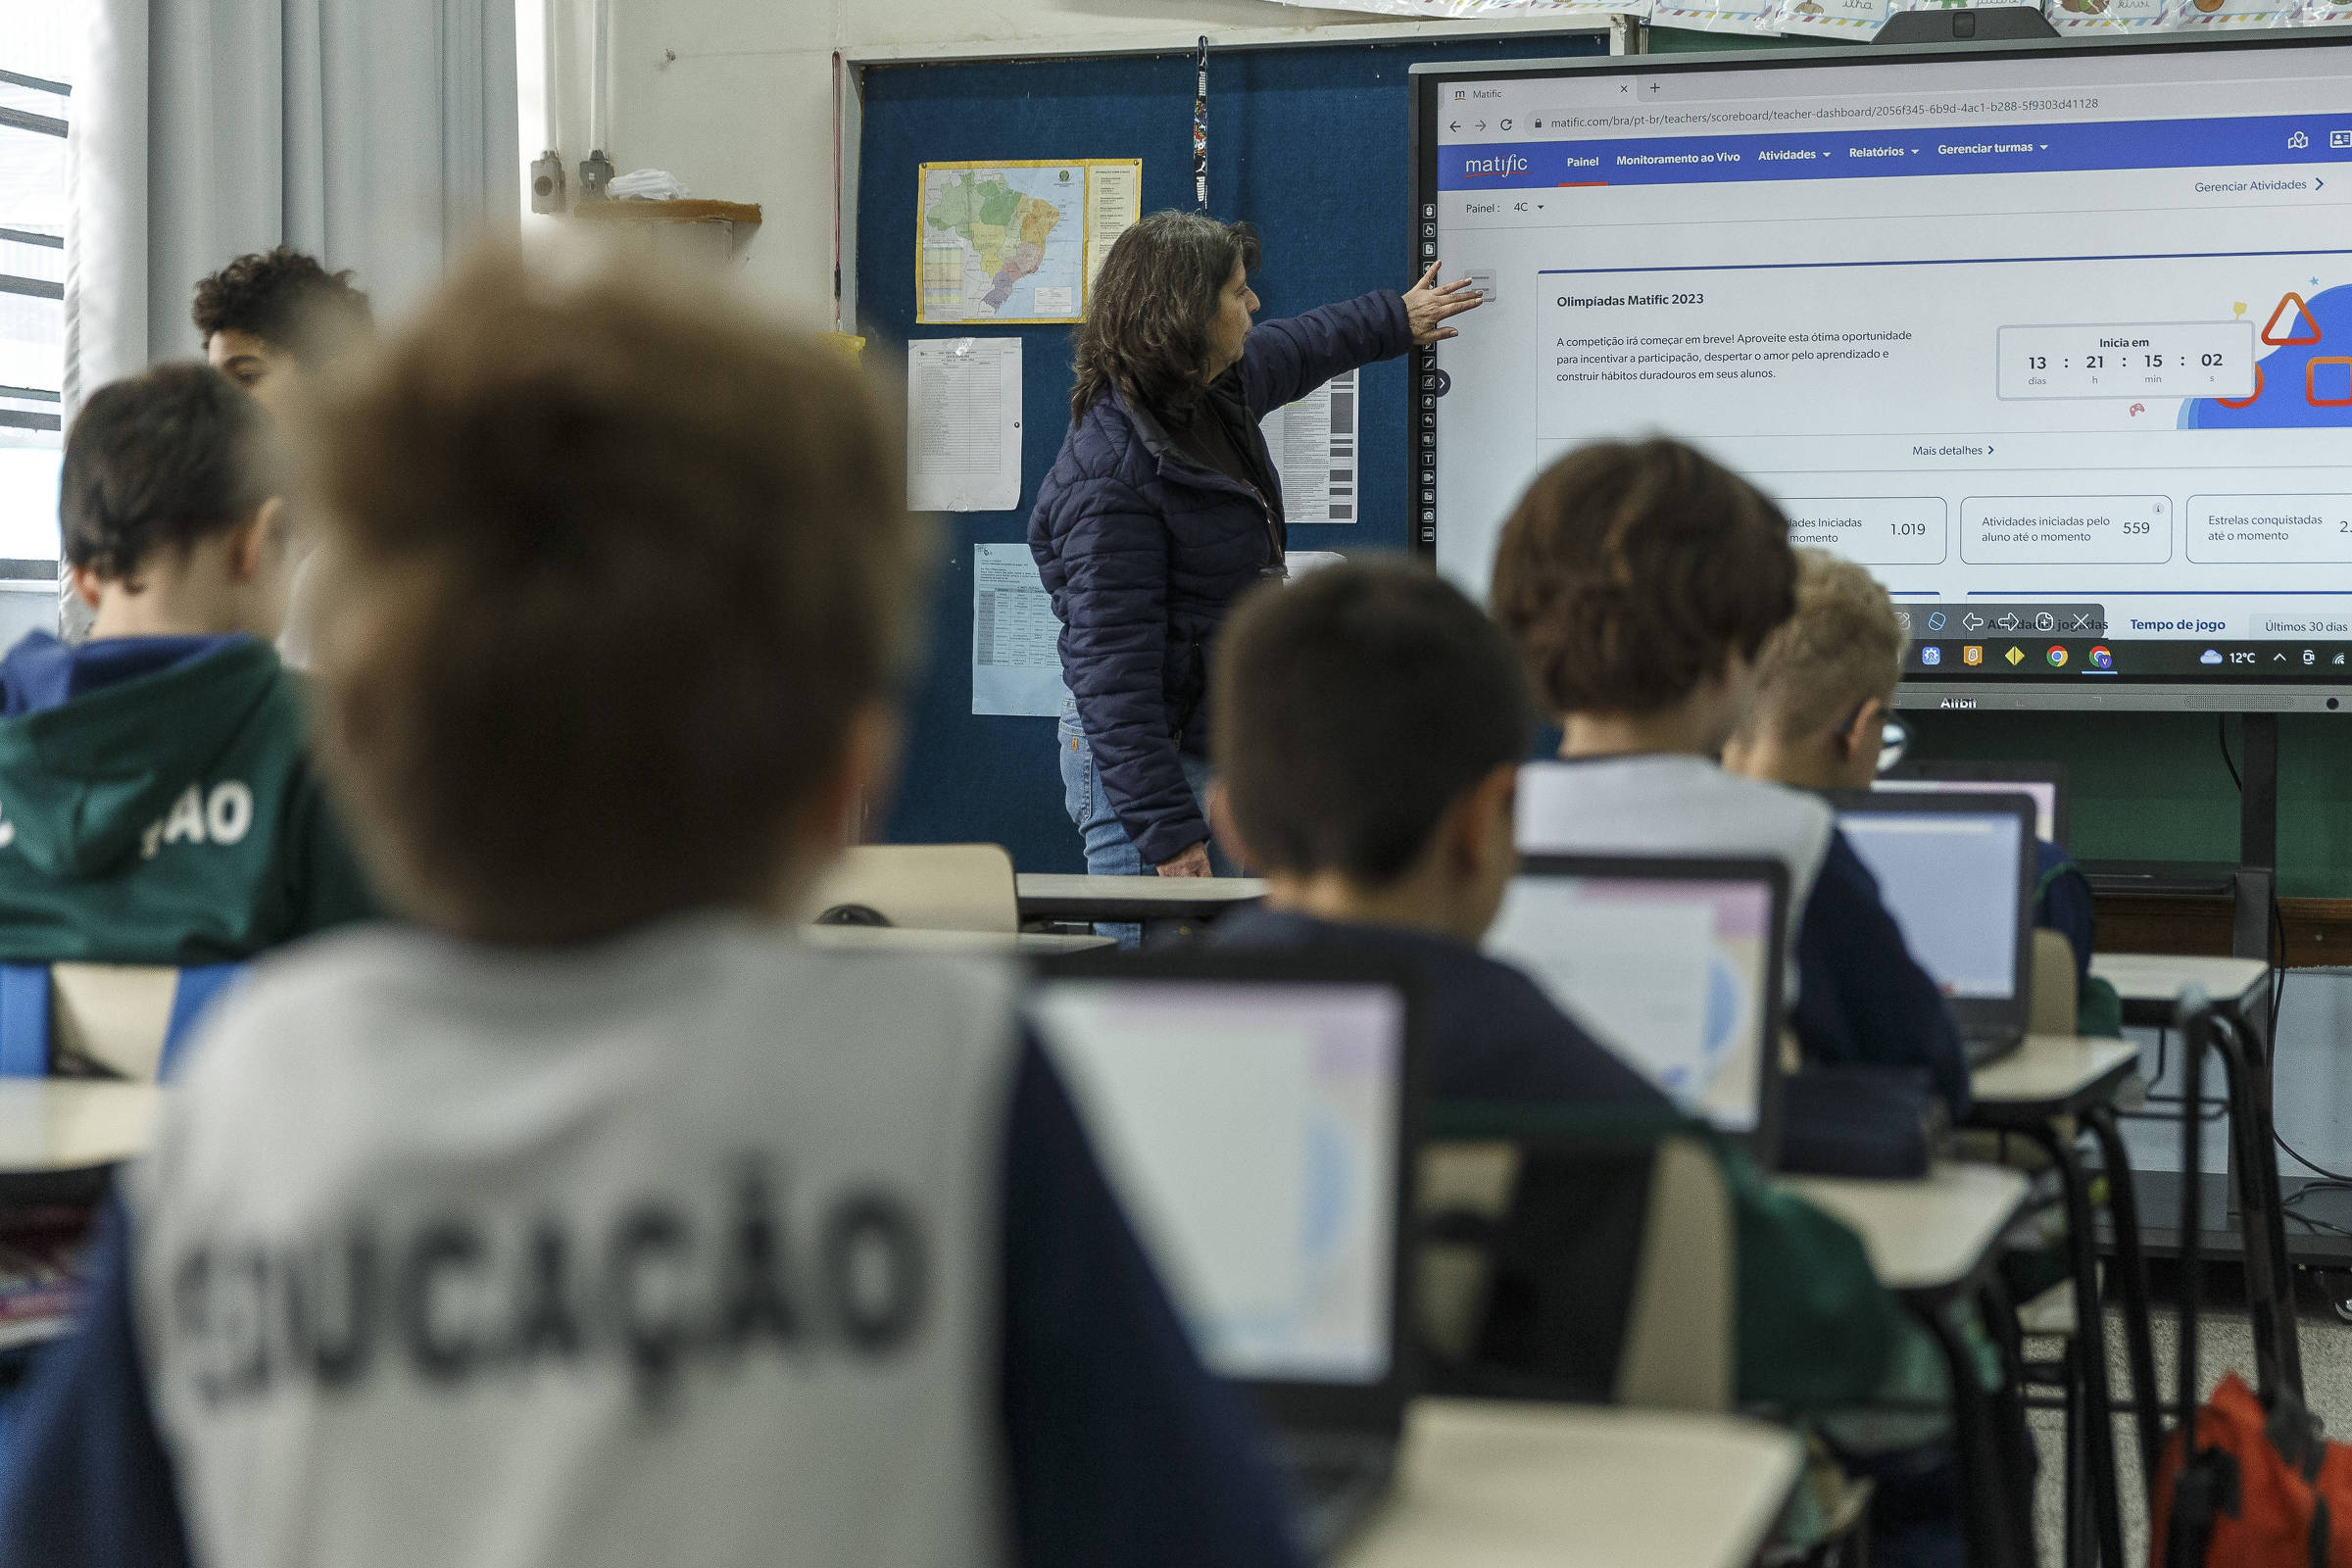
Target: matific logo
1507	163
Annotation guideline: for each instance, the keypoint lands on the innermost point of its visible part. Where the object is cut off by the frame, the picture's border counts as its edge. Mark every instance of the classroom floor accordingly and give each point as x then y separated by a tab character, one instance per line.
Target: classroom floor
2224	1343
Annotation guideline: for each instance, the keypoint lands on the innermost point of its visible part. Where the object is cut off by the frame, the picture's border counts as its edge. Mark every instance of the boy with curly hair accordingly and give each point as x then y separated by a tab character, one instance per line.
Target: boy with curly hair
273	320
1642	583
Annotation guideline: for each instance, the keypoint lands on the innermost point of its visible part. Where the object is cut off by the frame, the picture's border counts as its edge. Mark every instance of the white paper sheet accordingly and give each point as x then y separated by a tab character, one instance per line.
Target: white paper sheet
1114	200
1313	444
1016	661
963	423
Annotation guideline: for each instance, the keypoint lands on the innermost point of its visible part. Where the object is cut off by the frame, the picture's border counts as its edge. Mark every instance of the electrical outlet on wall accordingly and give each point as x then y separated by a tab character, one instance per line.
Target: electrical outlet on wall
547	182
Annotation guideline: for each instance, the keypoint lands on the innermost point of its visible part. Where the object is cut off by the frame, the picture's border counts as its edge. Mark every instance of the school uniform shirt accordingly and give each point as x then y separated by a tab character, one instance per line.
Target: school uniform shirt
1861	997
1656	803
696	1246
1814	1329
158	805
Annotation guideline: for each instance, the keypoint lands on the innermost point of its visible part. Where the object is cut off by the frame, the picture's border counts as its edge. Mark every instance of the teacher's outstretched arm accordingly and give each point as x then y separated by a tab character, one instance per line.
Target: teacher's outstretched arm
1284	360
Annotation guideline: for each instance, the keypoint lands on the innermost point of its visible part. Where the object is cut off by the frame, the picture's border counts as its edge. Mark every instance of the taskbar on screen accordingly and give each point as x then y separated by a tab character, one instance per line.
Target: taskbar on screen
2043	659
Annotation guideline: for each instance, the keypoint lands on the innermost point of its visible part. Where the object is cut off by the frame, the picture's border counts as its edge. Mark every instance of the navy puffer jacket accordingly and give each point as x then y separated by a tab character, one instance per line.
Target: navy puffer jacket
1143	549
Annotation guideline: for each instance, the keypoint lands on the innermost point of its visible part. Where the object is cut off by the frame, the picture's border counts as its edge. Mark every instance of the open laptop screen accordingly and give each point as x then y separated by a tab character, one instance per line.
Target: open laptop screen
1953	877
1673	964
2042	792
1252	1131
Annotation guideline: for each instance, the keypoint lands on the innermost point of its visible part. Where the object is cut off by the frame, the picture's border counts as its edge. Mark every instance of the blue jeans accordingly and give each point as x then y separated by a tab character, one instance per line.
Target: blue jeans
1109	852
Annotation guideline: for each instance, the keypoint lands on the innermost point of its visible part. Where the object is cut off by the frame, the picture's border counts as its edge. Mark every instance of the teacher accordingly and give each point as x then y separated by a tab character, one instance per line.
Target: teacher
1164	504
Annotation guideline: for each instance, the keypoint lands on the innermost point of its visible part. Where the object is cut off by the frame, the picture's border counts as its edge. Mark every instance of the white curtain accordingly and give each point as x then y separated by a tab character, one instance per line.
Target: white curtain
375	134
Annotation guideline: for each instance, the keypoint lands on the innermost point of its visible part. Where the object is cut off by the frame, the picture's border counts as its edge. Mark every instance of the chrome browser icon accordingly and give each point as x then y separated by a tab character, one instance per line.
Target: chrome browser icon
2100	657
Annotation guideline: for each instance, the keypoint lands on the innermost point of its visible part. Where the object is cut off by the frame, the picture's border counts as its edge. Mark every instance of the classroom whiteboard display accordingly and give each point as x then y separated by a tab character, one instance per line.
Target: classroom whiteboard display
2057	341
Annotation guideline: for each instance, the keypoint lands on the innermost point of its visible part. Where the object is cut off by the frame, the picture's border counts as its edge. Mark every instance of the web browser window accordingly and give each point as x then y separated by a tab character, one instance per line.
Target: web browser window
1671	975
1950	881
1250	1131
2059	345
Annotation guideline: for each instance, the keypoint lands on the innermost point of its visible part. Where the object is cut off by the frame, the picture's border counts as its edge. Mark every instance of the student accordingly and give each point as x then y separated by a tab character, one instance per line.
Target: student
1639	582
595	1220
1825	685
1369	725
156	802
272	323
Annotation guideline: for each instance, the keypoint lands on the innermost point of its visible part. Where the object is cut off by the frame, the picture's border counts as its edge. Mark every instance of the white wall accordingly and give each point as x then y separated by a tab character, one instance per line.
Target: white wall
736	97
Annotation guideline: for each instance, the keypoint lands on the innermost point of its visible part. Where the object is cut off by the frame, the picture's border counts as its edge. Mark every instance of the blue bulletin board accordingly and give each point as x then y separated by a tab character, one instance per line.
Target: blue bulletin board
1306	142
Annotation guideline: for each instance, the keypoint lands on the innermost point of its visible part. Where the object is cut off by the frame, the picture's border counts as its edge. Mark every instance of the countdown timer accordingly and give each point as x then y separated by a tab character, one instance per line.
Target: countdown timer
2154	359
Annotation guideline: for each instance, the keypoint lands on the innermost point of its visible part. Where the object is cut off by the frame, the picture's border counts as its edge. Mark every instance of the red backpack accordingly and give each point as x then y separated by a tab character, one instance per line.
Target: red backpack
2264	1490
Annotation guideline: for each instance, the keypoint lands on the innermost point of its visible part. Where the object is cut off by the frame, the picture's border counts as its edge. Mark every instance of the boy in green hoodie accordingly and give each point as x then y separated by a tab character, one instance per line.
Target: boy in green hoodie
156	802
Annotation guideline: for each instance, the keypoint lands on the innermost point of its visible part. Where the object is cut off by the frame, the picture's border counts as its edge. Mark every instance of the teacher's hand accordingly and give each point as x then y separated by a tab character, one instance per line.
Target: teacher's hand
1428	303
1192	862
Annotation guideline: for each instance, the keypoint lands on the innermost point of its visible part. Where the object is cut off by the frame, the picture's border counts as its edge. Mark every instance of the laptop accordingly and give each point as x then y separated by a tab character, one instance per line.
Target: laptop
1255	1114
1956	871
1675	963
2045	782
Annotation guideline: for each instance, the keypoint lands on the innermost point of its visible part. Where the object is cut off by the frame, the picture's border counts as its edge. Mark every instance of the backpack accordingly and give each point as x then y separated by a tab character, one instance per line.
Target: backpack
2265	1488
1857	1119
2246	1481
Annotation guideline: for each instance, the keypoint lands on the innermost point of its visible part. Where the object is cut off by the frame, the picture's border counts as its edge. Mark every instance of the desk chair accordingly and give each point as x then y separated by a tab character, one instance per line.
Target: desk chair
1521	1289
126	1020
2055	997
936	887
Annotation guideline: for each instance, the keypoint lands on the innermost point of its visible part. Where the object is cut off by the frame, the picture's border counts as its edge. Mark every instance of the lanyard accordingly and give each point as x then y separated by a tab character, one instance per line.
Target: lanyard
1201	125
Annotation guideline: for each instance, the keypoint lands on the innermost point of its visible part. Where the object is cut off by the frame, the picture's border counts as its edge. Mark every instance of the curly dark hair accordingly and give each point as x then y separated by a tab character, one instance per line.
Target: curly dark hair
159	461
1146	335
1630	569
288	301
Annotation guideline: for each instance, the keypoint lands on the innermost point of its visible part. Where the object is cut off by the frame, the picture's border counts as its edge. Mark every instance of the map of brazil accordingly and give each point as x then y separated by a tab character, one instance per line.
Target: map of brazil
1017	241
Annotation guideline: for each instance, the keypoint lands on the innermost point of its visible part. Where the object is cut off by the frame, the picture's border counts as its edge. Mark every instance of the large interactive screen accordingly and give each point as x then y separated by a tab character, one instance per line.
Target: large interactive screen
2056	339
